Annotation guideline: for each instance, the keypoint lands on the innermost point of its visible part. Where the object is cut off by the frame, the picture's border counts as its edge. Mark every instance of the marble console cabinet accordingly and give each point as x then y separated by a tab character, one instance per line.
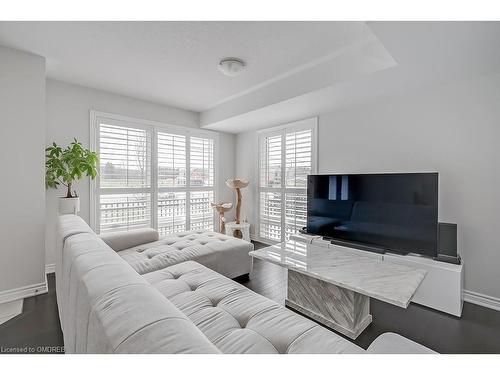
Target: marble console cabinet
442	287
333	285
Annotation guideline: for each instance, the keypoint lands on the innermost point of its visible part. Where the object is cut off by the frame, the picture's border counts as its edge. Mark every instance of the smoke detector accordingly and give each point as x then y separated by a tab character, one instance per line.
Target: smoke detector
231	66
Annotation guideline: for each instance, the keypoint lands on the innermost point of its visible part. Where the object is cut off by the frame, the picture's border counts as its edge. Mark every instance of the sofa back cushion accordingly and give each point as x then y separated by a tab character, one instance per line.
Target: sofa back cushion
67	226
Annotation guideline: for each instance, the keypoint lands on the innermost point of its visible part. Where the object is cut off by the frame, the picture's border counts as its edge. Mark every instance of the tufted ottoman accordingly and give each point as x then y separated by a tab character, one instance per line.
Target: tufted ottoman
221	253
237	320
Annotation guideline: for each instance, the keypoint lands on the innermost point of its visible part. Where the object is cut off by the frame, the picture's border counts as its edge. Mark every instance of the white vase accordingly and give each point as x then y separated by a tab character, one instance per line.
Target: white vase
69	205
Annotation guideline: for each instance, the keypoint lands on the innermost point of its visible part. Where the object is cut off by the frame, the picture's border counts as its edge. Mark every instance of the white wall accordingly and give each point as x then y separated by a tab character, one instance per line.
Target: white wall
227	169
246	168
22	135
68	117
452	129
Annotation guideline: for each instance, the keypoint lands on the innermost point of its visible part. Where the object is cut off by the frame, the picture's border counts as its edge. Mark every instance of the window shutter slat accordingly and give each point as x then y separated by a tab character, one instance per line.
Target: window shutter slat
125	157
202	215
124	212
298	158
171	160
171	212
295	213
202	162
270	161
270	215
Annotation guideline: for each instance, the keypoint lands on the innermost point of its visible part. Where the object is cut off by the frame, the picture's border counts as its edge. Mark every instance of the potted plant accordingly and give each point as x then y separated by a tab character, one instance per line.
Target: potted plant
64	166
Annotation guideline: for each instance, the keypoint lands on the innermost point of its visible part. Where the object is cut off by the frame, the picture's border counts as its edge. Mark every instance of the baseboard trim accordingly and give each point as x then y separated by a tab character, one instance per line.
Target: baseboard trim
50	268
23	292
482	300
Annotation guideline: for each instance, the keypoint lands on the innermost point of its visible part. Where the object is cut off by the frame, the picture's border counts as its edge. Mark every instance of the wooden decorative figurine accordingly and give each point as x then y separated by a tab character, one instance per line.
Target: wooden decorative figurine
237	185
221	208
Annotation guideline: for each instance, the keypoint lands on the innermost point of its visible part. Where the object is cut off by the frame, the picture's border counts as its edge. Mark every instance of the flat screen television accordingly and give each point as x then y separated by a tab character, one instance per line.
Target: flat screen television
396	212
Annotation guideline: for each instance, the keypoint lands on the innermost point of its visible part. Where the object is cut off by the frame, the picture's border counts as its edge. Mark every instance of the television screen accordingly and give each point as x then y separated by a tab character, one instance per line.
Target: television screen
397	212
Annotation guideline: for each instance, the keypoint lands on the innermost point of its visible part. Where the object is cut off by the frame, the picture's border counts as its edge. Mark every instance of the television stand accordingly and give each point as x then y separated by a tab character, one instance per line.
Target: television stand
334	285
442	288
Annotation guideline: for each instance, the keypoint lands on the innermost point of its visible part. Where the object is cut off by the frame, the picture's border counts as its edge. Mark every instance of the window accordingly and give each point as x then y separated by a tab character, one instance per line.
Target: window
286	157
152	175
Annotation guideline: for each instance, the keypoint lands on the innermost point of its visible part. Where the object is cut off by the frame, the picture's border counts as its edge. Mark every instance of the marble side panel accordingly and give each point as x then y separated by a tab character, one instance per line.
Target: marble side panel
342	306
337	327
362	308
345	311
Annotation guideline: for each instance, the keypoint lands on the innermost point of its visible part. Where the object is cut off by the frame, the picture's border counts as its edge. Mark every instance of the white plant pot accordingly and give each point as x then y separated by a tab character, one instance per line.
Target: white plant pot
69	205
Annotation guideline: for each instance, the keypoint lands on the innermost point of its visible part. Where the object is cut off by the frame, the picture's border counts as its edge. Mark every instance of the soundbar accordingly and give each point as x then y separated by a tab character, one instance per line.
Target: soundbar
448	259
359	246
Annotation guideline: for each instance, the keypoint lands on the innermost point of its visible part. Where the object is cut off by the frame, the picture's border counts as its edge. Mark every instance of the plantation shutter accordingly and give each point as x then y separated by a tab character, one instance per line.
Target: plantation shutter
153	176
202	176
298	165
171	160
125	178
172	182
270	215
270	194
285	161
298	161
270	162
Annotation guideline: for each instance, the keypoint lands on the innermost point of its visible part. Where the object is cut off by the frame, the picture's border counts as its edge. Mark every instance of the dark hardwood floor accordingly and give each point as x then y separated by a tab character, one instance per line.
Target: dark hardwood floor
477	331
37	328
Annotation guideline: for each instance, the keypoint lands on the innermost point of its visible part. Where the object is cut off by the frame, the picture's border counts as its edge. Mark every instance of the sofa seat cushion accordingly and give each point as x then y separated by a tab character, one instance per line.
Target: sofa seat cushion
237	320
224	254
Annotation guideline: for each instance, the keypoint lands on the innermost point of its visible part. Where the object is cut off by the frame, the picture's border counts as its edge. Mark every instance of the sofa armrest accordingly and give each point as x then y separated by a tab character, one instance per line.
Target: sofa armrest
119	241
392	343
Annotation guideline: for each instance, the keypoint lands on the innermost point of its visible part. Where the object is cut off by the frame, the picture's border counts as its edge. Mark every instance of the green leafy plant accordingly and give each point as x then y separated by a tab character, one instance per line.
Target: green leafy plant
64	166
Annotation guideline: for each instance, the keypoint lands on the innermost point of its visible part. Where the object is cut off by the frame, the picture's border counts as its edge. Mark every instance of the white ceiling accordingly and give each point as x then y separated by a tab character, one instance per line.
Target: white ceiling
425	53
175	63
295	69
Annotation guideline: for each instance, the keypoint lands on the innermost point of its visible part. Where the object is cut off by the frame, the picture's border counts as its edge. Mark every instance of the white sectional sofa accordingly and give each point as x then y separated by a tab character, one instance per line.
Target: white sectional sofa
105	306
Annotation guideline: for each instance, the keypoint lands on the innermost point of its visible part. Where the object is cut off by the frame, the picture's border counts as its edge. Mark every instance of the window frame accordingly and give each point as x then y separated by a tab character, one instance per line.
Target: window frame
97	117
283	130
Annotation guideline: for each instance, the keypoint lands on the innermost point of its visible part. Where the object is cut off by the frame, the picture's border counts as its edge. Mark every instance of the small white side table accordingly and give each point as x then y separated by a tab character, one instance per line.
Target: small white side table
244	227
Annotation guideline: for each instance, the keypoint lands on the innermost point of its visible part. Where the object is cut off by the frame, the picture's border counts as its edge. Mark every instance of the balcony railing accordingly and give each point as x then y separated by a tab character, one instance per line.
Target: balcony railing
125	212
